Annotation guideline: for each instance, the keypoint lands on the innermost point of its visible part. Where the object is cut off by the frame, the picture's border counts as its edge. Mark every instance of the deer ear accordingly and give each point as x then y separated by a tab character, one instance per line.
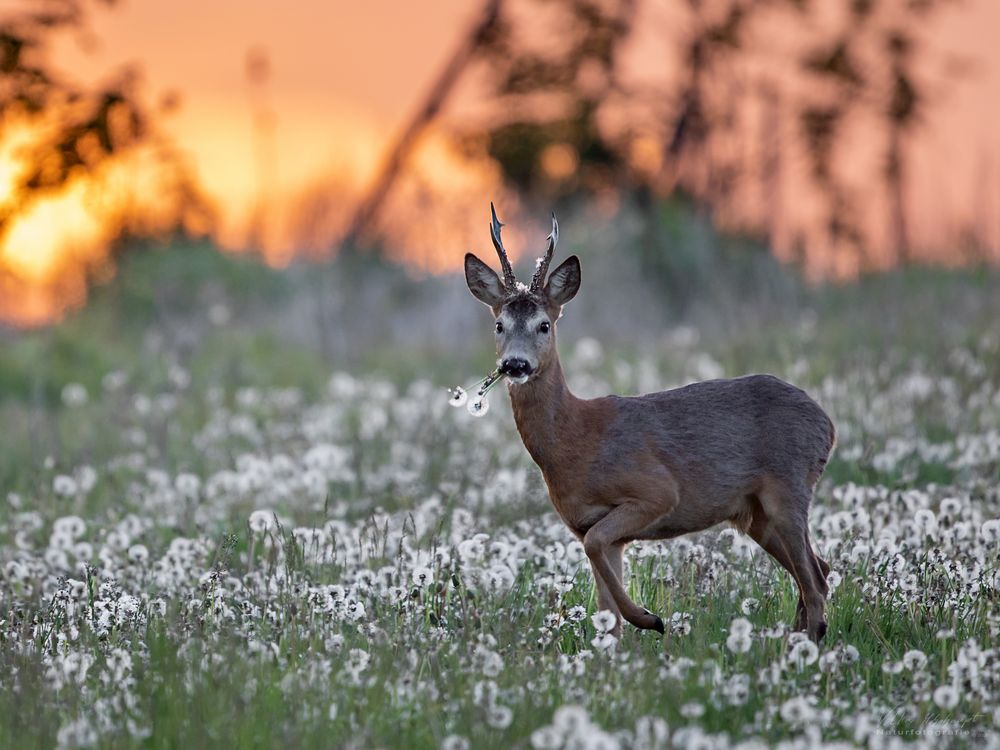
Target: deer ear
564	282
483	282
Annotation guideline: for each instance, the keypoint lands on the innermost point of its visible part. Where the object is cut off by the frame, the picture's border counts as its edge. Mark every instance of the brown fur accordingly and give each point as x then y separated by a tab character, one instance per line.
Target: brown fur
600	454
747	451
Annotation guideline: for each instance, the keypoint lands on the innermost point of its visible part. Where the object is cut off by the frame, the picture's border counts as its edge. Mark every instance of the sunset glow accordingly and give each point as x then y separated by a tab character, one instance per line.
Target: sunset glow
283	162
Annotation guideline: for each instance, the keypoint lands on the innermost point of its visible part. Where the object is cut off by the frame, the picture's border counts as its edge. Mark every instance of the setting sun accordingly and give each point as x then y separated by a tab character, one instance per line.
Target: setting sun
55	232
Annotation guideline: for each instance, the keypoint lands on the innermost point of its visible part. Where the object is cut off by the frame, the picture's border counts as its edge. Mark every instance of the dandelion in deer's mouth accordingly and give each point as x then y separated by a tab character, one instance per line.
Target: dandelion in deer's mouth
479	405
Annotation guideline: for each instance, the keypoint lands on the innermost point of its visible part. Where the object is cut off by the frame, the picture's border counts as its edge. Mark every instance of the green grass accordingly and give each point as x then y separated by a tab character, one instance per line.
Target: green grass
243	655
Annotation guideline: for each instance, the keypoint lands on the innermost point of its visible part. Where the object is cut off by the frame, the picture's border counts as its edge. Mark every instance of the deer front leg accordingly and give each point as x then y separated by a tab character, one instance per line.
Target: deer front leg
604	598
621	524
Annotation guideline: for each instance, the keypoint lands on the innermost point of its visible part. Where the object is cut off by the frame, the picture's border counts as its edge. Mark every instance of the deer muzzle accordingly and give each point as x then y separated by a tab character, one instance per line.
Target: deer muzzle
516	368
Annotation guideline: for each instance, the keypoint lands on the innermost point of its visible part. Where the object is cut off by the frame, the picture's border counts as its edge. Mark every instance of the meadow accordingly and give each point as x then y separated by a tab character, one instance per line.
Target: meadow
214	534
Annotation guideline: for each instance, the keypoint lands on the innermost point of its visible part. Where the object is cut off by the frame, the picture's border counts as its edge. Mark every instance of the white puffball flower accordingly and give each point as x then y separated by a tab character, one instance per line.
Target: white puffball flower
72	526
991	530
914	660
571	719
74	395
114	381
499	717
804	653
946	697
604	621
357	660
797	710
64	485
479	406
261	521
458	397
739	643
833	580
604	642
423	576
740	626
547	738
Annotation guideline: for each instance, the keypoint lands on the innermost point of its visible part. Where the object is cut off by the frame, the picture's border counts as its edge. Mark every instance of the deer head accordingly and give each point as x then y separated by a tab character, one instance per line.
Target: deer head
525	316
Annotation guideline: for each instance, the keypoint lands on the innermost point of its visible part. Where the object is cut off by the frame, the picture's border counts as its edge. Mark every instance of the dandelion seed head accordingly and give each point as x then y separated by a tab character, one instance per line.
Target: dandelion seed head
479	406
499	717
604	642
803	653
262	521
74	395
571	720
64	486
604	620
914	660
739	643
740	626
990	531
946	697
422	577
797	711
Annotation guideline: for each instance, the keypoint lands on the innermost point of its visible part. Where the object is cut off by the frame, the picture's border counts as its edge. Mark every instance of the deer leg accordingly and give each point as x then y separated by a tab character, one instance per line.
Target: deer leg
621	524
821	569
786	530
604	598
760	531
822	566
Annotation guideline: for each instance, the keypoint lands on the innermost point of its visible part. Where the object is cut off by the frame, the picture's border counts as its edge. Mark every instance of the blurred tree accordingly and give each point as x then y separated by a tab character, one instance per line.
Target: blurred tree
548	83
883	82
900	114
371	203
716	36
834	66
560	116
74	130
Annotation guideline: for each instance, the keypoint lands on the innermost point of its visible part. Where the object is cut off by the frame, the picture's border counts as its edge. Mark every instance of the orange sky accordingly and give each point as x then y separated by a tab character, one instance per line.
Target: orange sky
346	75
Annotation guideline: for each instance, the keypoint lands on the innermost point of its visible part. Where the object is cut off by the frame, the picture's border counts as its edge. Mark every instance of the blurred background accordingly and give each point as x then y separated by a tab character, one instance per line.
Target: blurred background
259	185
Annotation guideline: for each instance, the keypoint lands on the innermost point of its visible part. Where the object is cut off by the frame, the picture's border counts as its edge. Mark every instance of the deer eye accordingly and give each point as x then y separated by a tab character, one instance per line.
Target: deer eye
544	327
499	327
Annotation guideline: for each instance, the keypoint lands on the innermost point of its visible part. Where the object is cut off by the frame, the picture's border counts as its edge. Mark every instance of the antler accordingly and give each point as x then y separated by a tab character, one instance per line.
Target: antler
542	268
509	279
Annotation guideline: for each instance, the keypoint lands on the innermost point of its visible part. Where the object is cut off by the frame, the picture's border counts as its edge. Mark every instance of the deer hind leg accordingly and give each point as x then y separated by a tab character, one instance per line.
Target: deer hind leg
604	598
621	524
782	530
822	567
762	532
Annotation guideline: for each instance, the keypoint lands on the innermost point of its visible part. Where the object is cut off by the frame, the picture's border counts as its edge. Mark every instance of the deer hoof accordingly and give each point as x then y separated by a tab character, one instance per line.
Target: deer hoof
657	623
820	631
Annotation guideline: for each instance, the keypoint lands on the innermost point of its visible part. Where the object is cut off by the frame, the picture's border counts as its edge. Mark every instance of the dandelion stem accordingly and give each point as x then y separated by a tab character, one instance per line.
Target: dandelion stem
488	382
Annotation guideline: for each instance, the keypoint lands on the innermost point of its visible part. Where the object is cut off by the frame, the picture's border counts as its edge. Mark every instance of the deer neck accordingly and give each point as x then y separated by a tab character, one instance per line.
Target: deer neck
545	411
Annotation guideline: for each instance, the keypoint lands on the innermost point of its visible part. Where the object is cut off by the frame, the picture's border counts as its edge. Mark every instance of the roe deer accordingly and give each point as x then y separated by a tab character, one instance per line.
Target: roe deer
749	450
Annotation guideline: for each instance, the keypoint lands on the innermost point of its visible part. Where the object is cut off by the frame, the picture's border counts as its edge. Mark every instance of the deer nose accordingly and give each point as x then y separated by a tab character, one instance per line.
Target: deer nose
515	367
